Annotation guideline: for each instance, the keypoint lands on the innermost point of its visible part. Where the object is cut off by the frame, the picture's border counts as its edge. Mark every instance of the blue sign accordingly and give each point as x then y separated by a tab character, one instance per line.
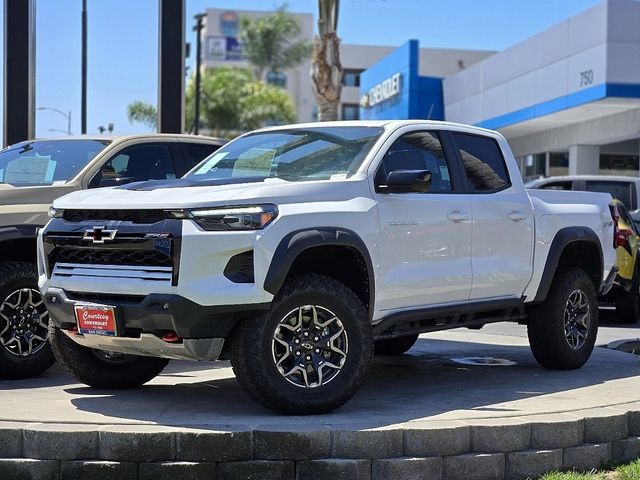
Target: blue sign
392	88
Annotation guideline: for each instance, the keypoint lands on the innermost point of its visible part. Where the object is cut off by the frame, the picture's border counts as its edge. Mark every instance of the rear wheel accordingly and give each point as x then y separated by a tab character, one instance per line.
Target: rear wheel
102	369
395	346
628	303
24	349
562	330
309	353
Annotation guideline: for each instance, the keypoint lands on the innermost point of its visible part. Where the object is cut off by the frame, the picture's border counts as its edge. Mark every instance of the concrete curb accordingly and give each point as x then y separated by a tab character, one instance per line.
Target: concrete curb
509	449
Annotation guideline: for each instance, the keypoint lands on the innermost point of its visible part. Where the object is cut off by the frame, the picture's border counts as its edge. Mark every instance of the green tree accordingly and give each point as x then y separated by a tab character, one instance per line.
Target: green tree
271	43
233	101
142	112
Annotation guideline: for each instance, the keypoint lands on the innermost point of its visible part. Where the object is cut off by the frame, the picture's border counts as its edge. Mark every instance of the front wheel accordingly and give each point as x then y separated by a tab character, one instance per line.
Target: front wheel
309	353
101	369
562	330
24	349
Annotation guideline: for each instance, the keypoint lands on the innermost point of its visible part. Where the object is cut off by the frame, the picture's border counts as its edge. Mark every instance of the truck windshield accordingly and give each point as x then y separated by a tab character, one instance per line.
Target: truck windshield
44	162
315	153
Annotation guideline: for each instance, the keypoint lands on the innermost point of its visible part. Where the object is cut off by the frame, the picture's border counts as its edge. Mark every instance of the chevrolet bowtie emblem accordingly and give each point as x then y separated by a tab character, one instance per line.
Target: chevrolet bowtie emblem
99	235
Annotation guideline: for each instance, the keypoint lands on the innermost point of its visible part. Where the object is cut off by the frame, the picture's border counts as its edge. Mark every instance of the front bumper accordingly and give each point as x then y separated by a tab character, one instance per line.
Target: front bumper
143	320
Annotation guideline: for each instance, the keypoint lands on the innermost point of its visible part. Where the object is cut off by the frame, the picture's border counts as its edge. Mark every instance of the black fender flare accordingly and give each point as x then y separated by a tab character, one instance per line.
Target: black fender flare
293	244
562	239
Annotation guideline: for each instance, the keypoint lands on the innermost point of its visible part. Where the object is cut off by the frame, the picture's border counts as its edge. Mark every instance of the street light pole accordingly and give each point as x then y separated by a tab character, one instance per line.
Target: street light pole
66	115
83	94
196	110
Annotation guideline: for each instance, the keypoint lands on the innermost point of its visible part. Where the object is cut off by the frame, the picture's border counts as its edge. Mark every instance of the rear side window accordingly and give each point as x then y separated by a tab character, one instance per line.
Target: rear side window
196	152
623	191
483	162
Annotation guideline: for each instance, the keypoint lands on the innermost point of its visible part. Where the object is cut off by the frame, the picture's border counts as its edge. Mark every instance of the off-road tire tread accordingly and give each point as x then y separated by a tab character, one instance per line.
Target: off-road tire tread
255	381
11	367
545	326
395	346
88	369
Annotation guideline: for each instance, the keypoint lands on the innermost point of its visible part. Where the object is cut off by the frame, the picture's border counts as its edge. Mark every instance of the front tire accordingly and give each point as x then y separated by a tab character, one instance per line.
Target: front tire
395	346
104	370
562	330
309	353
24	349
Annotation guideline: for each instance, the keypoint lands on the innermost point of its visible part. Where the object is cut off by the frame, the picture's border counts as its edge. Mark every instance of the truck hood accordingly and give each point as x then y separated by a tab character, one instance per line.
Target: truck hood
28	205
185	193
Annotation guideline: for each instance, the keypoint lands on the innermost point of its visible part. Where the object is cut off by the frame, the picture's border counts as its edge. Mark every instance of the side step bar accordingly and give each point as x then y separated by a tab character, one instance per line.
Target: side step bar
474	314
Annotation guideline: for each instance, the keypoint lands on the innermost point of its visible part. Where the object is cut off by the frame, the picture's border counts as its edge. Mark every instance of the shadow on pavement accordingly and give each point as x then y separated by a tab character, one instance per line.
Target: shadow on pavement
420	385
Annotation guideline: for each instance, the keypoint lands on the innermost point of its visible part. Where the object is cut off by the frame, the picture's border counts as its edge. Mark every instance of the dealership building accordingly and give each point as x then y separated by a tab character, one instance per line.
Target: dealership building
567	99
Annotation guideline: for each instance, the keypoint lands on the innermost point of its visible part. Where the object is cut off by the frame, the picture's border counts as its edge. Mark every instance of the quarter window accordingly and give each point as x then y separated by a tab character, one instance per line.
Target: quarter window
483	162
418	151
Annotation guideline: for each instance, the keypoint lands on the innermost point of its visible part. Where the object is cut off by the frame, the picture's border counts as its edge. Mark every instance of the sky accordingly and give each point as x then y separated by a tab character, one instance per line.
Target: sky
123	42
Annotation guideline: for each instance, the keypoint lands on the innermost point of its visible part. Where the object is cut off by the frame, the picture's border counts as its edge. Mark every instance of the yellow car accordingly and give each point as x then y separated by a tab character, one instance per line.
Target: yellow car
626	239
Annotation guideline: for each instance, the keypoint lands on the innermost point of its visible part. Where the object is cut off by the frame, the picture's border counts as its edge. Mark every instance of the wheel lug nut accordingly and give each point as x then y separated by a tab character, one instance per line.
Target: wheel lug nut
316	338
308	357
317	350
306	334
296	341
298	353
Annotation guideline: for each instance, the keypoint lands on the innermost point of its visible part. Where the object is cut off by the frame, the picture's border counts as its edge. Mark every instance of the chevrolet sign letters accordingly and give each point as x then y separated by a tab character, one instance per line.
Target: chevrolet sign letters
385	90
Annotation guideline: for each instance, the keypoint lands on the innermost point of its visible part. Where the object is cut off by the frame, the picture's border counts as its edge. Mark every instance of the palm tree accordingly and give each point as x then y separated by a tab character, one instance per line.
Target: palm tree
326	70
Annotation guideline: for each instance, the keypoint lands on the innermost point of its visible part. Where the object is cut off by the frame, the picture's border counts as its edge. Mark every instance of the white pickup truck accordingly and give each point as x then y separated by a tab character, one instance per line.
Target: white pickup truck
297	251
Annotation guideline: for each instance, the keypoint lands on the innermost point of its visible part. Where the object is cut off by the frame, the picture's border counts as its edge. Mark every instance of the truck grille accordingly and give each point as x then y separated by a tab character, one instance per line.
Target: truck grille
148	253
134	258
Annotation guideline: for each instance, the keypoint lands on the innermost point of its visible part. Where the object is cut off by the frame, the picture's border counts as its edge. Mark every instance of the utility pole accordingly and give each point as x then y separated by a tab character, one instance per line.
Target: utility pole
196	112
83	101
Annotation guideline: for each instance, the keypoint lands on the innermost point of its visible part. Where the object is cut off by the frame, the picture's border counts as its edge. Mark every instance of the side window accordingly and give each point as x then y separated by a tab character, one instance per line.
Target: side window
483	162
417	151
138	163
556	186
198	152
623	191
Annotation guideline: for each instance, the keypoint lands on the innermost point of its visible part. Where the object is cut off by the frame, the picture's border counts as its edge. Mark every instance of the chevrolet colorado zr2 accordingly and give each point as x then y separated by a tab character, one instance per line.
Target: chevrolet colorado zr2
297	251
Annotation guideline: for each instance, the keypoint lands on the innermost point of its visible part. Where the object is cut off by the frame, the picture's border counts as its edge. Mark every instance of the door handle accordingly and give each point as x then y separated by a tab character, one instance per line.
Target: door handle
517	216
457	216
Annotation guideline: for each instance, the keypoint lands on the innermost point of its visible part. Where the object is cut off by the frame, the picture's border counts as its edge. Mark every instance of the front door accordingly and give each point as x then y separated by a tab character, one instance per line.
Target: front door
426	237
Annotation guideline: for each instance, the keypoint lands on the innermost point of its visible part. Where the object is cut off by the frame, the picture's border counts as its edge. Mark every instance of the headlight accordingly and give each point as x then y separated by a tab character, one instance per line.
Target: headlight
234	218
55	212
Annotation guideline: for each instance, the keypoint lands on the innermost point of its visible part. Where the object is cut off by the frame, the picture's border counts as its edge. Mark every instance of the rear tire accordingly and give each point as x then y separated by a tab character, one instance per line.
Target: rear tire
562	330
628	303
24	349
309	353
103	370
395	346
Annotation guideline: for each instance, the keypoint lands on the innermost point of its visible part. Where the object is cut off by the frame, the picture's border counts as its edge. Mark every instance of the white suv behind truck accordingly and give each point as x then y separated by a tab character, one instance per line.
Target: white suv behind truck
296	251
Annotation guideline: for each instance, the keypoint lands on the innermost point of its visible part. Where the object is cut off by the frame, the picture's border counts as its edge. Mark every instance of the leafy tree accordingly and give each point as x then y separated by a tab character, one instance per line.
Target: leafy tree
144	113
233	101
326	70
271	42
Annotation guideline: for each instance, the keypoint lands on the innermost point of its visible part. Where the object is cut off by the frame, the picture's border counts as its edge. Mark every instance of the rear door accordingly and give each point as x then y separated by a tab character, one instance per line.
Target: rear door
502	232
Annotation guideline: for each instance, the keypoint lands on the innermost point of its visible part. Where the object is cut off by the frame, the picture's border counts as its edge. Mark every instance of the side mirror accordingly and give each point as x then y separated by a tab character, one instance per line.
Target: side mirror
116	181
407	181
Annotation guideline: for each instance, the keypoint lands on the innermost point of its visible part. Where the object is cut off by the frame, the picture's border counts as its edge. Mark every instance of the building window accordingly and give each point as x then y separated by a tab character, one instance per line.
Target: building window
350	111
351	78
279	79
